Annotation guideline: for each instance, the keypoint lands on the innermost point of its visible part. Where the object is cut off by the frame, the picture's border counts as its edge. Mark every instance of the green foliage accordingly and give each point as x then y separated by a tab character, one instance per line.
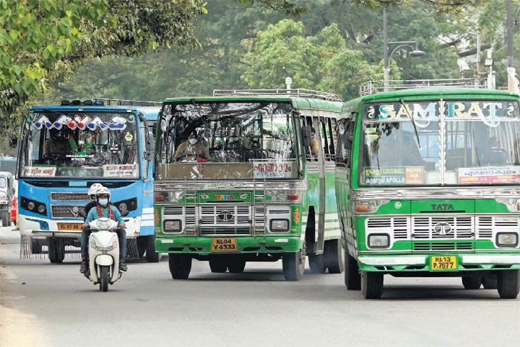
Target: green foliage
45	41
333	45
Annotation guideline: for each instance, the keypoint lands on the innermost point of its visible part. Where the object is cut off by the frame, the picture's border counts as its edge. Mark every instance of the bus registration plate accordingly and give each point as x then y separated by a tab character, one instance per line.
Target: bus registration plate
224	245
443	263
69	226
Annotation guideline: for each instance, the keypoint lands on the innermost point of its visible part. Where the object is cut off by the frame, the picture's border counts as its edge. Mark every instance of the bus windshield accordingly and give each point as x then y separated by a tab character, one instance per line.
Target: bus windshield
226	140
441	143
102	145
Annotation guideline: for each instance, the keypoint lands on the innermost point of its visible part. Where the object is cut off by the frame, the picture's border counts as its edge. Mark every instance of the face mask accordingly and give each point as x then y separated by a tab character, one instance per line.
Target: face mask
103	202
192	141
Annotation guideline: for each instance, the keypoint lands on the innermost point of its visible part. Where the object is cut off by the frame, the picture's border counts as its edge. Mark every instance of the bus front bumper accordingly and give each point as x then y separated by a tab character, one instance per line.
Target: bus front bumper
465	262
203	245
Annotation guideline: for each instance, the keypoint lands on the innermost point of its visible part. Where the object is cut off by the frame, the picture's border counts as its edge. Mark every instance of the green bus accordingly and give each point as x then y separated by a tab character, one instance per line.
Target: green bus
256	185
428	184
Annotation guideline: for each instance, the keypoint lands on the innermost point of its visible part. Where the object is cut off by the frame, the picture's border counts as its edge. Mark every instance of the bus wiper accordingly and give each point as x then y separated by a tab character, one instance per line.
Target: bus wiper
413	122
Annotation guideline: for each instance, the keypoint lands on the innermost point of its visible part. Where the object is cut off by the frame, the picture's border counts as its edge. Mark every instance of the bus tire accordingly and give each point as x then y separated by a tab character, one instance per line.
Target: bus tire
334	256
151	255
490	281
352	276
236	266
372	284
508	284
56	250
317	263
218	265
5	219
293	266
472	282
141	246
180	266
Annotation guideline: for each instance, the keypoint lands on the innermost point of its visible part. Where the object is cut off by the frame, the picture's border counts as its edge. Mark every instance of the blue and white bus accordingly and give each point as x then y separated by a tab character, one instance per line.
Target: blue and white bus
67	148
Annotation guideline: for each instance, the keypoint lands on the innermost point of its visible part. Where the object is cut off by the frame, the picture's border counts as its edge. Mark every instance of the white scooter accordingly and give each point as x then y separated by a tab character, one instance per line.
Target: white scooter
103	251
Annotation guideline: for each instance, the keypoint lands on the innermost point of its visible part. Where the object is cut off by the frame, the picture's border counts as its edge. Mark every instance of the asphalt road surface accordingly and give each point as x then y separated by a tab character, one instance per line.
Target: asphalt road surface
47	305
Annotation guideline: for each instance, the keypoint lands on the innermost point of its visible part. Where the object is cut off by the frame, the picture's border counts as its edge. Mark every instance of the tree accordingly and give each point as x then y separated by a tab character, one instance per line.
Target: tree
44	41
316	62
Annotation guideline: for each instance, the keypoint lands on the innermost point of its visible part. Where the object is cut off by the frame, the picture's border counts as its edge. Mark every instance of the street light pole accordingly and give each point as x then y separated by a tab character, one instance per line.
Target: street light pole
509	35
385	48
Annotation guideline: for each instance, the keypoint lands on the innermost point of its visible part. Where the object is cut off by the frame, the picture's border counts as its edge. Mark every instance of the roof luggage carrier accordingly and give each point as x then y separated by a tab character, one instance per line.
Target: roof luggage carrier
122	102
373	87
301	93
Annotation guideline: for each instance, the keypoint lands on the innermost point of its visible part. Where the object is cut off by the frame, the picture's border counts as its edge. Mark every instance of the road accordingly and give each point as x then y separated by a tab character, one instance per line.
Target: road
46	305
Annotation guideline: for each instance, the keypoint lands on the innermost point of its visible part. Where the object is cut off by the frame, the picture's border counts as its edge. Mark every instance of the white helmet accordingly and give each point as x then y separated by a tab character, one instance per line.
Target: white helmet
93	189
103	191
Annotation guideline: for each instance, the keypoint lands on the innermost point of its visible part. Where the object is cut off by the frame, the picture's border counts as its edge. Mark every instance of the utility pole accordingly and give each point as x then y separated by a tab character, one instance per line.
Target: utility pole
509	35
385	49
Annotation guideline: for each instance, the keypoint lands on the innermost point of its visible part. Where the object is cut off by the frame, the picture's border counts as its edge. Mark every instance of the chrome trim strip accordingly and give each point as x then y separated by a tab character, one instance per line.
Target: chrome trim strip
491	259
184	185
400	260
433	193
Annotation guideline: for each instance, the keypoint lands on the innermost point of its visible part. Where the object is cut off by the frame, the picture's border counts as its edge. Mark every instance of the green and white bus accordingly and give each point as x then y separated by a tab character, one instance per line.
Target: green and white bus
264	193
428	184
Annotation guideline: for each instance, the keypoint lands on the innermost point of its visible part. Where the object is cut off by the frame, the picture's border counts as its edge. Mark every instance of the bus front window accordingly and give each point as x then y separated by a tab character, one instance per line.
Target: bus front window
231	140
78	145
441	143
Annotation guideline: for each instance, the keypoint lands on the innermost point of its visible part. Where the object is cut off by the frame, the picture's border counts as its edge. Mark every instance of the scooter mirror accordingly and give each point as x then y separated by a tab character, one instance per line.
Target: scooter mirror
82	213
124	213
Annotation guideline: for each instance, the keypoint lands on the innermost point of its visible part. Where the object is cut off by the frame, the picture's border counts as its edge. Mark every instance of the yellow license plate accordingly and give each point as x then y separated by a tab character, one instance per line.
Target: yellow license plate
69	226
224	245
443	263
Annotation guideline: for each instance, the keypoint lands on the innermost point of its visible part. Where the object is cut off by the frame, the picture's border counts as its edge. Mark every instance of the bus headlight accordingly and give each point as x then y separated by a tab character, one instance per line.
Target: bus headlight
507	239
31	205
172	226
279	225
378	241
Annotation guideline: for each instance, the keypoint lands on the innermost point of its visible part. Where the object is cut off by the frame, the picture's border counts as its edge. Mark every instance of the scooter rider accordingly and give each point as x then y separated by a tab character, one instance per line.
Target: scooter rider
103	208
86	233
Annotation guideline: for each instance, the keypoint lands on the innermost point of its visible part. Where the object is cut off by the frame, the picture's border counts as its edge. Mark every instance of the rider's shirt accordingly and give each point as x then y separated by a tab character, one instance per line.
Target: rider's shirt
114	214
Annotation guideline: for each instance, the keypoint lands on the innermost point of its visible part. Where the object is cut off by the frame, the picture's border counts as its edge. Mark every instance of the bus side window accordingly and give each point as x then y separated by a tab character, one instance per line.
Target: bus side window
325	140
306	129
332	138
344	130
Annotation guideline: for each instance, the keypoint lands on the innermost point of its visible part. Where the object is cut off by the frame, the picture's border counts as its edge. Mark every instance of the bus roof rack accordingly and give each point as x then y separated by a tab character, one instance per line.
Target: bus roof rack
301	93
122	102
373	87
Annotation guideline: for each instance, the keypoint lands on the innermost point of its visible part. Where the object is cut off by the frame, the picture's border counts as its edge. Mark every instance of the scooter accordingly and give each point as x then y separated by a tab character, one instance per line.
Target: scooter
103	251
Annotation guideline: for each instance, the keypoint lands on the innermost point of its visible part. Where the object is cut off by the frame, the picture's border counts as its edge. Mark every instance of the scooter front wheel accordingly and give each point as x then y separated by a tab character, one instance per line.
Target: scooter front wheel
103	283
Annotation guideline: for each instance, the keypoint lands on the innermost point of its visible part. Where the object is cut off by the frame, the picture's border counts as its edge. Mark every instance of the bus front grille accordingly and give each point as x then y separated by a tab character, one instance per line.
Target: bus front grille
443	246
224	231
454	227
66	211
70	197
